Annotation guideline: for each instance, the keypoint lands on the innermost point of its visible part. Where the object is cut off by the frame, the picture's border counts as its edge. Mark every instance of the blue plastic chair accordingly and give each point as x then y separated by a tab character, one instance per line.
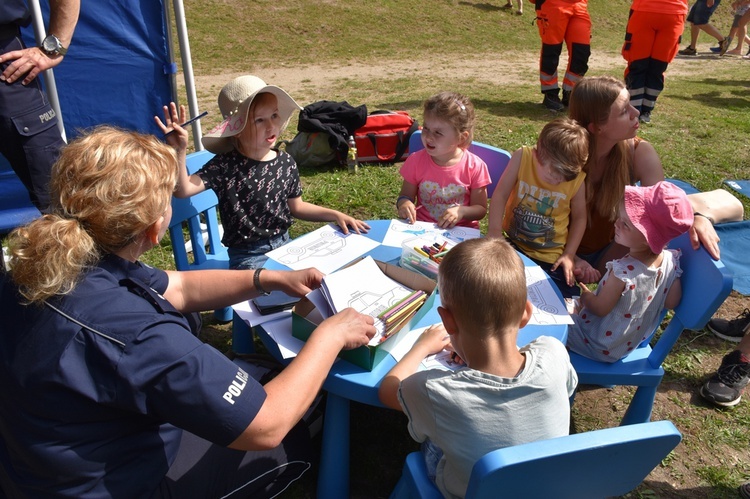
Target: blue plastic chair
196	211
595	464
199	214
15	206
497	159
705	285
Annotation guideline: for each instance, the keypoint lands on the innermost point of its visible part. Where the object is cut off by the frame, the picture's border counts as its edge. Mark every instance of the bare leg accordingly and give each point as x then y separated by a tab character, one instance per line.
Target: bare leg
744	345
694	32
711	30
740	34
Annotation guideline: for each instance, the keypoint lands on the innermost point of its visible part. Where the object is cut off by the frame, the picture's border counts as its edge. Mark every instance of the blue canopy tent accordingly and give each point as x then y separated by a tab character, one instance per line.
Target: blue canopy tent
119	70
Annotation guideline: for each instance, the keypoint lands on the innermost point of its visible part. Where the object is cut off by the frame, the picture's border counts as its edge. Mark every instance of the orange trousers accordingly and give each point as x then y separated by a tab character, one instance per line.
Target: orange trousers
651	43
561	21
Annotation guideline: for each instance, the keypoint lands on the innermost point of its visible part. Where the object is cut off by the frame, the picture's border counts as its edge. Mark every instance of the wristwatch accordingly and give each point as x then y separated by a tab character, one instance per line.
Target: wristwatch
52	46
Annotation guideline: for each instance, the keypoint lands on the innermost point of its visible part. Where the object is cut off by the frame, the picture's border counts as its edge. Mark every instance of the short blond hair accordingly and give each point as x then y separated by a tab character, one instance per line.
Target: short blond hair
564	146
483	283
108	186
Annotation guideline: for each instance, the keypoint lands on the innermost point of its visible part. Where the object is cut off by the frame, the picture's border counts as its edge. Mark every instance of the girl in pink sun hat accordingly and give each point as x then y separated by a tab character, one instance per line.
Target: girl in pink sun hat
626	305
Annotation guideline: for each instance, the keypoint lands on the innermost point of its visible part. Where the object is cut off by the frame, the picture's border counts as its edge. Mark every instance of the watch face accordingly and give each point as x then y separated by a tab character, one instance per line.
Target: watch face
51	45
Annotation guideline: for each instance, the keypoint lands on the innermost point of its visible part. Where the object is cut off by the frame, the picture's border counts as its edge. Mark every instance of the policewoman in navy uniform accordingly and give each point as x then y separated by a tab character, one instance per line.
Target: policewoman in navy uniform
105	391
31	140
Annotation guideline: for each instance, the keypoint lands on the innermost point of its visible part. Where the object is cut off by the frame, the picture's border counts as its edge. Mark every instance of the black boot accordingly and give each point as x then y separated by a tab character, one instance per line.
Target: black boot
566	97
552	101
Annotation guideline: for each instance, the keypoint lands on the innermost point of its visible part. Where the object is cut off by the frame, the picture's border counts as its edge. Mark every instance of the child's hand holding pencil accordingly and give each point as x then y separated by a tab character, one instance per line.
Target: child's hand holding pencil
433	340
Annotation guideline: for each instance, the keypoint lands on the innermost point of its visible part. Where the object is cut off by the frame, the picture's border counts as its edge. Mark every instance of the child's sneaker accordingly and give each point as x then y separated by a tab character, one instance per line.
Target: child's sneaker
645	117
724	45
731	330
745	490
725	387
688	51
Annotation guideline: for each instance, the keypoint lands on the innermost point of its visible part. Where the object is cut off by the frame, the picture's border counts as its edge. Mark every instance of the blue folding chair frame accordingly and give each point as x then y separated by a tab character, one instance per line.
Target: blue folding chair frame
705	285
208	253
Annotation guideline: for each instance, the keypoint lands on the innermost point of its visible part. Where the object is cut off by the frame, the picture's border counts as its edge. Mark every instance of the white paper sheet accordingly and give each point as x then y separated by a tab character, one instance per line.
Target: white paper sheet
365	288
327	249
441	360
318	299
548	308
281	332
399	231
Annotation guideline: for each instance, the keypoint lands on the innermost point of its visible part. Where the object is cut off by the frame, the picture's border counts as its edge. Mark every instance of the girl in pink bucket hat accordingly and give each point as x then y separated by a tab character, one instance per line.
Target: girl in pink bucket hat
258	186
626	305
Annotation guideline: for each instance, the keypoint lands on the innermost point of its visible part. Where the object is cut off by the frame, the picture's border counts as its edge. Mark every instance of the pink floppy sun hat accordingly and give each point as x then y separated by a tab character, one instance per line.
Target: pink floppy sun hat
660	212
234	103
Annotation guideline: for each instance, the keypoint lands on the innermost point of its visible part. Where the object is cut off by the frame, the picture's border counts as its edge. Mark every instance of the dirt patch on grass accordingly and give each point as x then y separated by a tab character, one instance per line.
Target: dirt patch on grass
677	399
316	82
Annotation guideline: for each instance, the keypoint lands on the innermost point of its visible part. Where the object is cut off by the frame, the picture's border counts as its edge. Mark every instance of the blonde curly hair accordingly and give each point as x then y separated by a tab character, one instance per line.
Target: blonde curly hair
107	188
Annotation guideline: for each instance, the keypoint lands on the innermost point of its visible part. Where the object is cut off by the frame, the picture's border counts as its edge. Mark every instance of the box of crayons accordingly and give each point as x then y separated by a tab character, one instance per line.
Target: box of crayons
423	254
398	319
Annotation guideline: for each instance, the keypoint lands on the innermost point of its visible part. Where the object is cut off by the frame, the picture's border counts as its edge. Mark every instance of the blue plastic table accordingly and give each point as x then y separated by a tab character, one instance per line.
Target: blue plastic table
348	382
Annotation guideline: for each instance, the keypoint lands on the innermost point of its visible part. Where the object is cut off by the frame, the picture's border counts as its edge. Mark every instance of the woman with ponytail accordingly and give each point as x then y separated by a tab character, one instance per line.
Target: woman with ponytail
105	392
617	157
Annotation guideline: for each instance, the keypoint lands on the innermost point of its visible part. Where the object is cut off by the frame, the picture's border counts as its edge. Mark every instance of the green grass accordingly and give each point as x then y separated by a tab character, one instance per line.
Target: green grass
700	129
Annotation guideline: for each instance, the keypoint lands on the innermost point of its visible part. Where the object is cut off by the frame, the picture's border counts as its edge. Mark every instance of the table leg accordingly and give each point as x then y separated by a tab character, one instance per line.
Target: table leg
333	477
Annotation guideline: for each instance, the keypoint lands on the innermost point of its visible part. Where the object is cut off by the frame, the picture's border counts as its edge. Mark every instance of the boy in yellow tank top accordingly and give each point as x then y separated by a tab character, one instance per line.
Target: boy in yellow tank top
540	201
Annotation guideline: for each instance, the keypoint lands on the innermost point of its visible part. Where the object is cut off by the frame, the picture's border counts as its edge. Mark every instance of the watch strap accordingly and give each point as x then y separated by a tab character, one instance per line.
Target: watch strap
256	282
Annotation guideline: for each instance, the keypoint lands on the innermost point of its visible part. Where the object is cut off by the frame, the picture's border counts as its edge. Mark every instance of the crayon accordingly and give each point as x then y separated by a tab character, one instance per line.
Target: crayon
421	252
404	306
400	304
404	309
189	122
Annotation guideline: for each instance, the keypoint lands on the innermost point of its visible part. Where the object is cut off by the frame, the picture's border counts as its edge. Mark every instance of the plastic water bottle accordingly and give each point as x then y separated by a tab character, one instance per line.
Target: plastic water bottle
352	162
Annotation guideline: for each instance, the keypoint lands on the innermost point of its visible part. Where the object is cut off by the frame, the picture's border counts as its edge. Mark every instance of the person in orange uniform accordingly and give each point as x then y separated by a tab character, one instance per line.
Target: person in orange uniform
652	39
562	21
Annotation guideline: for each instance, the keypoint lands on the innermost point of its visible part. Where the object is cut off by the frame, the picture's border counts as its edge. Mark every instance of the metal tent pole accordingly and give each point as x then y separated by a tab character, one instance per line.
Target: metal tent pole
187	68
49	77
170	55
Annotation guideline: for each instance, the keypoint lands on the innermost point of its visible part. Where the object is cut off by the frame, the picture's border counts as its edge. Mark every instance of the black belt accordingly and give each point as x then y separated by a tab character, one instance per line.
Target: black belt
8	31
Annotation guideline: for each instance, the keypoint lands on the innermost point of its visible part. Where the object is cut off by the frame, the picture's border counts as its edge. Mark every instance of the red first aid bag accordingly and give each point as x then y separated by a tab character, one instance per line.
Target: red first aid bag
385	137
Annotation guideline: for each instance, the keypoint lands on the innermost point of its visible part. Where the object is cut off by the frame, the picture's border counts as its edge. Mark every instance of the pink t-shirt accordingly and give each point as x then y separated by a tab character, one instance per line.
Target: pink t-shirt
439	187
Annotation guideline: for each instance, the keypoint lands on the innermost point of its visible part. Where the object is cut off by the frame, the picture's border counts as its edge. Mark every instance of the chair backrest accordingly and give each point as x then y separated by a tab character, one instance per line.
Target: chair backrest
497	159
705	285
601	463
595	464
195	210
